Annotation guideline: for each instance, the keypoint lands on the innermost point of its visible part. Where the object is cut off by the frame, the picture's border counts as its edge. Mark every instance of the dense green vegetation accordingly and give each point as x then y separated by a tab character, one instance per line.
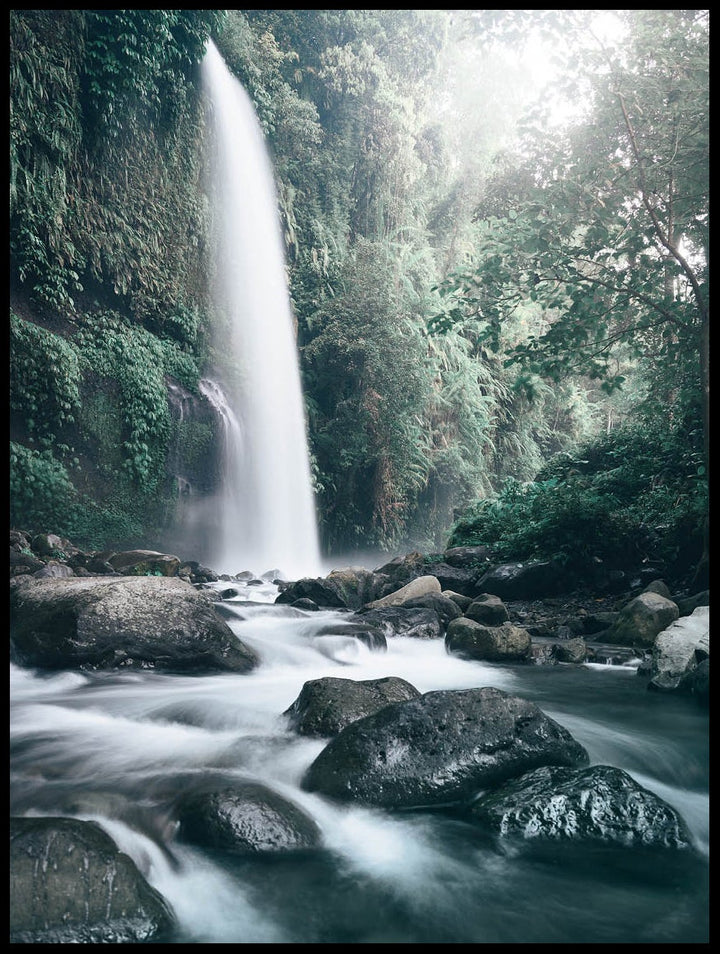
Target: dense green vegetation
478	288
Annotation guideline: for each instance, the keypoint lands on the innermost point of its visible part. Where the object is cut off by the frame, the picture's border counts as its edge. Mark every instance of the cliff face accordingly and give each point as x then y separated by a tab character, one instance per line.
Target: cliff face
109	303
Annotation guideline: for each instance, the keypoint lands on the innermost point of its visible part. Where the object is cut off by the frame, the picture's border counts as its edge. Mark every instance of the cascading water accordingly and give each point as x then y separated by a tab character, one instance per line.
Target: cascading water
265	510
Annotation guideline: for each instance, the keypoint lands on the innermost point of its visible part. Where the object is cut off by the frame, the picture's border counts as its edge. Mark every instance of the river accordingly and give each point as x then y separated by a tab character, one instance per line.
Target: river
111	746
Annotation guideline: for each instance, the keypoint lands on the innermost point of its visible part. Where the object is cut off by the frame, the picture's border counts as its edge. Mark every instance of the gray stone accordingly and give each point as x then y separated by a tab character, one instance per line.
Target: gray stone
488	609
246	818
123	622
440	749
69	883
325	706
597	804
472	640
641	620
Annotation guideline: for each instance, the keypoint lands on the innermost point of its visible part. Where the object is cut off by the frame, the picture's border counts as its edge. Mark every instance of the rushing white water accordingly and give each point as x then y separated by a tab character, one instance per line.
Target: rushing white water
266	511
120	747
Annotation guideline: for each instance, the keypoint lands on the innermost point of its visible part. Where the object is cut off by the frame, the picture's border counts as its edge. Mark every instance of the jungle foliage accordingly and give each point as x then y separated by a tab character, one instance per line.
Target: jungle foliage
477	288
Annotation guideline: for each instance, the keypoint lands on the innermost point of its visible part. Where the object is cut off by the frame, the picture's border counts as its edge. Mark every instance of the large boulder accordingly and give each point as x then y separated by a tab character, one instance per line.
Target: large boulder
439	749
100	623
245	818
420	586
144	563
417	621
326	705
472	640
678	651
70	884
323	591
488	609
598	804
642	620
467	556
523	581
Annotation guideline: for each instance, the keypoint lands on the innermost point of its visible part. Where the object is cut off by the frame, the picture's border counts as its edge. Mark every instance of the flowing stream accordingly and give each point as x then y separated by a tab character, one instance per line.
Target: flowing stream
116	747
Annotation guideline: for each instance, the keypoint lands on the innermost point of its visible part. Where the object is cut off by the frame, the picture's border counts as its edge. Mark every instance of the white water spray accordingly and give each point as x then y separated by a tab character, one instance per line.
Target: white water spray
266	507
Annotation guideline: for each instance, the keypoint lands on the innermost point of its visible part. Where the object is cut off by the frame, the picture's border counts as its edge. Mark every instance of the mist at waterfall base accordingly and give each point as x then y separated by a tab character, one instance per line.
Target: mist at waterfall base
118	747
263	514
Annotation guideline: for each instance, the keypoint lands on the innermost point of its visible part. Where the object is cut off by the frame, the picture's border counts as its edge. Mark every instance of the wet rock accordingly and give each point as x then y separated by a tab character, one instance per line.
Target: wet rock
418	622
472	640
570	651
325	706
365	631
246	818
441	748
69	883
125	622
597	804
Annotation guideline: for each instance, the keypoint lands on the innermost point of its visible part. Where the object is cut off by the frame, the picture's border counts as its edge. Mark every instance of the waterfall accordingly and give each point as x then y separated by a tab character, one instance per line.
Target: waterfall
266	515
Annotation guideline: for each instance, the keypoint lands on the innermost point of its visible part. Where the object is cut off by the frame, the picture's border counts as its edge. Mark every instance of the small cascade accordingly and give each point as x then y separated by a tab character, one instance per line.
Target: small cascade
265	511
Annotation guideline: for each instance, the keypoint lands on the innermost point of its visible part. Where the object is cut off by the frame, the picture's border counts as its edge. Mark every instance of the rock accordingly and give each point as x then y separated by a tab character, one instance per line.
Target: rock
50	544
445	608
522	581
22	558
70	884
570	650
472	640
246	818
660	587
488	609
144	563
677	652
689	603
460	599
439	749
365	631
97	623
418	622
641	620
53	570
412	590
594	805
467	556
325	706
323	592
305	604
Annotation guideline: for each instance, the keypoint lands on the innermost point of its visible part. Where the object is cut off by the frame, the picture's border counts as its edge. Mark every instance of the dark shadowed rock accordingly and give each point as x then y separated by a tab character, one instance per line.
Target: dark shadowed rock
570	650
419	622
246	818
145	563
70	884
446	608
504	643
597	804
488	609
325	706
522	581
441	748
123	622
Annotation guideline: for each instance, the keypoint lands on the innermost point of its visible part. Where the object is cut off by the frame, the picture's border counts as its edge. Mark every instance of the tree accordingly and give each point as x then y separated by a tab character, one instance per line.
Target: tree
604	223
